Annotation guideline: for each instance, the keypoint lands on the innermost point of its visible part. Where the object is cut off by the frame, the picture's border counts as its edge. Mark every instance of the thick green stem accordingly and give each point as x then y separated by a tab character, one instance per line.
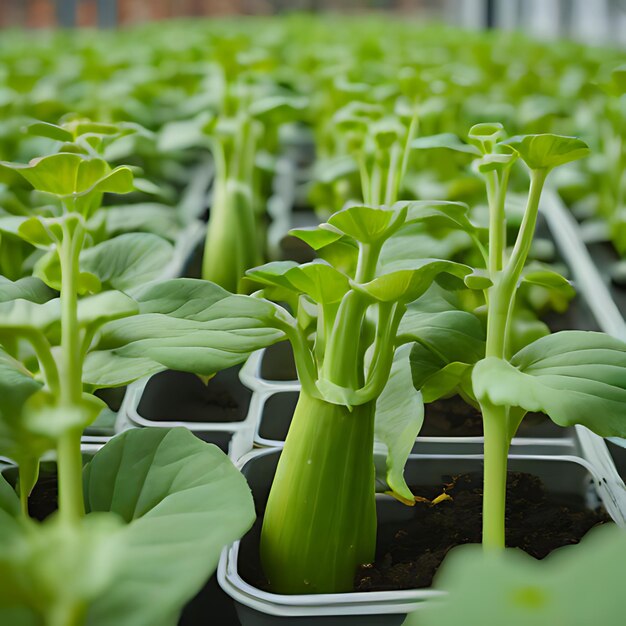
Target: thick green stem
497	444
69	461
343	362
320	521
231	246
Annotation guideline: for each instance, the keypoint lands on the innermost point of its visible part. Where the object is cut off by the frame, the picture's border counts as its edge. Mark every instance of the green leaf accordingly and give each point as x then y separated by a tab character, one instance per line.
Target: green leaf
478	280
316	237
399	417
127	261
185	298
548	278
52	131
440	214
184	324
448	141
319	280
406	285
274	273
18	316
486	132
575	377
512	588
495	162
183	500
365	224
158	219
448	342
28	288
547	151
17	441
103	307
124	262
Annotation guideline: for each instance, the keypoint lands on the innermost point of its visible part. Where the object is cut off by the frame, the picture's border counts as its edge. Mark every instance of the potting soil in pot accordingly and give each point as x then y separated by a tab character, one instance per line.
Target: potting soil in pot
453	417
183	397
409	553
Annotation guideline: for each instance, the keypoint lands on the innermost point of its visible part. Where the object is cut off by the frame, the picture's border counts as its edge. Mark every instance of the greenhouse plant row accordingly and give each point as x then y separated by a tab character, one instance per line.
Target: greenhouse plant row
301	306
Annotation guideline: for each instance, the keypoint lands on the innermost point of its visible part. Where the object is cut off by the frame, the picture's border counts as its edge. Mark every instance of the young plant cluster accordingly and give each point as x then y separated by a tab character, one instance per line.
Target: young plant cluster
407	301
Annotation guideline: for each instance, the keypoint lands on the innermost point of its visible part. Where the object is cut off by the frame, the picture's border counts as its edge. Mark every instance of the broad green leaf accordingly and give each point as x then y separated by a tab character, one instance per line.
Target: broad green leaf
182	500
440	214
448	342
548	278
365	224
399	417
18	316
48	269
319	280
447	141
17	441
186	298
495	162
94	311
28	288
576	377
66	174
44	232
513	588
52	131
128	260
158	219
185	324
273	273
406	285
544	152
478	280
121	263
316	237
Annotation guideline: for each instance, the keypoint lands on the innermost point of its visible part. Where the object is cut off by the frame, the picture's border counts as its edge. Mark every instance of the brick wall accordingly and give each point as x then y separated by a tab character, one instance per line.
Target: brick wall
43	13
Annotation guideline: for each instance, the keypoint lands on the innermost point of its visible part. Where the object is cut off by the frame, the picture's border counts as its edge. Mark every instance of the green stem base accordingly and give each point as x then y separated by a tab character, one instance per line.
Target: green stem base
320	521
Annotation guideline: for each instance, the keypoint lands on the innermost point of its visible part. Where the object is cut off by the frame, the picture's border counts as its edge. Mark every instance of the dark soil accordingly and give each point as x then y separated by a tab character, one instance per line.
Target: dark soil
409	553
278	362
453	417
43	499
113	397
182	397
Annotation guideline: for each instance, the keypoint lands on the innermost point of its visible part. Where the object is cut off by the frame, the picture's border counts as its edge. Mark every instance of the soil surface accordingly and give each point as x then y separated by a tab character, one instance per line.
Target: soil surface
409	553
43	500
453	417
183	397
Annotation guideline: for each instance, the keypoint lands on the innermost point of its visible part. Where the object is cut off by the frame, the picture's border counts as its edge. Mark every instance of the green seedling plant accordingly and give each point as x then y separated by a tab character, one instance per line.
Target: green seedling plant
246	122
342	315
575	377
151	503
346	309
